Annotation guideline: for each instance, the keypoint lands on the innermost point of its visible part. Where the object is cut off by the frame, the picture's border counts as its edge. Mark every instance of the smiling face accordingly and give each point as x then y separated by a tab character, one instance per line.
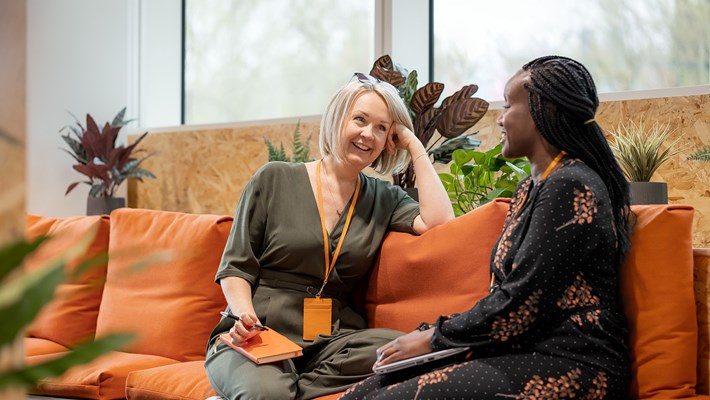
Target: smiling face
365	130
519	134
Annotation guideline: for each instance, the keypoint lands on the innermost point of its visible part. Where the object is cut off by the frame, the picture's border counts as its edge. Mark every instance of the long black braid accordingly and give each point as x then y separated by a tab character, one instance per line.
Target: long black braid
563	100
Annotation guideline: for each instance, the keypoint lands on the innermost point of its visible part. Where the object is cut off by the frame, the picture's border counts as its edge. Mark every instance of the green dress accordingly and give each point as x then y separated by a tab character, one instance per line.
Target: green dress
276	244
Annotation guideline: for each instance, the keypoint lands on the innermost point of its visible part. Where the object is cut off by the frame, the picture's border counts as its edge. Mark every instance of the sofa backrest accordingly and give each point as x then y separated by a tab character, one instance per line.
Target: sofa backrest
71	317
171	307
446	270
443	271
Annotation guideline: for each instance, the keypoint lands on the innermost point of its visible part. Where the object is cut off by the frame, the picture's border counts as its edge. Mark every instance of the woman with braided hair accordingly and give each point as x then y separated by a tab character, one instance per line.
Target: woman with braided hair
552	324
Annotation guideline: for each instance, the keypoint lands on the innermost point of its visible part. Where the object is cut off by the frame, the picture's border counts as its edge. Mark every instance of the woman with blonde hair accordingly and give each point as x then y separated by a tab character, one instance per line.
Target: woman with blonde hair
311	231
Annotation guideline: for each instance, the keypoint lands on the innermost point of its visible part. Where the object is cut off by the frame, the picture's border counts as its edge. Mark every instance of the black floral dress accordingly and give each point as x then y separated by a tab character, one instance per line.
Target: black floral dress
552	325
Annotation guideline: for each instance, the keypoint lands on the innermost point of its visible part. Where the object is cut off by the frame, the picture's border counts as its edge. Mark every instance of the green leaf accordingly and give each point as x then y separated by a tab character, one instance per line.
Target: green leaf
462	157
13	255
22	296
118	119
274	153
96	190
300	149
82	354
443	153
140	173
446	179
519	172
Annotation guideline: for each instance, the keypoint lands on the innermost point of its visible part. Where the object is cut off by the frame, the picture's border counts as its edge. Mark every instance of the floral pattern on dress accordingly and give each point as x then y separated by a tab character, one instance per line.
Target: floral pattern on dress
579	294
434	377
512	219
538	388
518	321
585	208
598	392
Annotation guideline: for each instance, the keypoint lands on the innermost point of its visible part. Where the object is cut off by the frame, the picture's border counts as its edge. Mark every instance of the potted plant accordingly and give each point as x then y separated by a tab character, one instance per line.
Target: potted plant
105	164
451	119
639	152
478	177
299	149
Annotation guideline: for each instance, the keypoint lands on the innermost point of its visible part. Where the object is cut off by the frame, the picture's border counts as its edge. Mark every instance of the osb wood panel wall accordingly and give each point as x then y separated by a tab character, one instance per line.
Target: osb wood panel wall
204	171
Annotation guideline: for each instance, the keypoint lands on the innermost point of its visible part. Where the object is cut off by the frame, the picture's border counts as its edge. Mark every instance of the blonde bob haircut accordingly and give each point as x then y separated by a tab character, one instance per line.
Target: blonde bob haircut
336	114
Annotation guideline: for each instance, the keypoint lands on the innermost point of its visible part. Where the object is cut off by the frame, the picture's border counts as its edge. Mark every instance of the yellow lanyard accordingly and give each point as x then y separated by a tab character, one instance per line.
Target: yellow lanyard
329	265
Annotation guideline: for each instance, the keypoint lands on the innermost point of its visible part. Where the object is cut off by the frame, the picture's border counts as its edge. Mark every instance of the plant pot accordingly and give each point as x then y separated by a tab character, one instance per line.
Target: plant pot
648	193
103	205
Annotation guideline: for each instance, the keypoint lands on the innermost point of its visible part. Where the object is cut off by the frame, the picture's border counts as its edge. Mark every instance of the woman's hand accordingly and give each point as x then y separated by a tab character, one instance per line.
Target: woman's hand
244	329
400	138
409	345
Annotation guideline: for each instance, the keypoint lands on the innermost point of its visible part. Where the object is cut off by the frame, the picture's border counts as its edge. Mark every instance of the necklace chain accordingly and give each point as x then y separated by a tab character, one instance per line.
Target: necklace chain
327	178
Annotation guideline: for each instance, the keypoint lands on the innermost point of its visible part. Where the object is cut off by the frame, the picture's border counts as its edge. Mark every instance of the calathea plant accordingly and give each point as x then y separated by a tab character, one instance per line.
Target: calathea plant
456	114
104	164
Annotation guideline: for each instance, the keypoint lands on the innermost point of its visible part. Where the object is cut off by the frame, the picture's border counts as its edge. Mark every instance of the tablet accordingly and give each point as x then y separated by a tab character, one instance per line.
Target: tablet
419	360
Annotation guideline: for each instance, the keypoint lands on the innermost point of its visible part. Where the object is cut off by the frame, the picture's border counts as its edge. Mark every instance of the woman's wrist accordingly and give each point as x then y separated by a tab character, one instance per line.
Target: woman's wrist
414	159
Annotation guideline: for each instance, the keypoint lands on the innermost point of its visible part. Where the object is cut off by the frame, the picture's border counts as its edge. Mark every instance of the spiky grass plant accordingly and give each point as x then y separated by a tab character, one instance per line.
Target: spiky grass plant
702	154
640	151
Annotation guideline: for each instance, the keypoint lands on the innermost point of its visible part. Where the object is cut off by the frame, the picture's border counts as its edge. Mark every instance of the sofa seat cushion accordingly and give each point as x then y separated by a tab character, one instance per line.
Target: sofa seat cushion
183	381
186	380
102	379
657	293
445	270
37	346
71	316
171	307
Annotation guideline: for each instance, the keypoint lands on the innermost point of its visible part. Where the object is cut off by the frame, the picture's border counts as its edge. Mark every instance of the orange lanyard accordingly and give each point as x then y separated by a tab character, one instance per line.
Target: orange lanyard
552	165
544	175
329	265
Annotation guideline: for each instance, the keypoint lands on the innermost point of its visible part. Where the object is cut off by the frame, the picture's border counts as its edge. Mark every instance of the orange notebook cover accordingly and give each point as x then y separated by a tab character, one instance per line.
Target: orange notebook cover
268	346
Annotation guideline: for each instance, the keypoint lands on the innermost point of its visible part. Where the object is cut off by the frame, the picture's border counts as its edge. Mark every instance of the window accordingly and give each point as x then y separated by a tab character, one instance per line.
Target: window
263	59
626	44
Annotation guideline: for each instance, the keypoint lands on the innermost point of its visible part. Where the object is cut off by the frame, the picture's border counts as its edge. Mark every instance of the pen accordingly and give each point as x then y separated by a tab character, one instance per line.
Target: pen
234	317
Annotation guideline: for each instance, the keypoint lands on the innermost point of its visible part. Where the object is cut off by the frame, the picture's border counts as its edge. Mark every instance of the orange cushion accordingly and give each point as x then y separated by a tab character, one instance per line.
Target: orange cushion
701	268
102	379
185	380
171	307
37	346
71	317
657	291
445	270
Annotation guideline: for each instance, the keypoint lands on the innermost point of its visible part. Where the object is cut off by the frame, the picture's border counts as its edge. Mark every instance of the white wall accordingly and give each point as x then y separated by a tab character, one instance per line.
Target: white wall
97	56
88	56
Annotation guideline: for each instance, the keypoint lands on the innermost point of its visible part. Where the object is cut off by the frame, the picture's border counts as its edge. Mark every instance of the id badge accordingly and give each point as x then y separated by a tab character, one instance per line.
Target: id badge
317	314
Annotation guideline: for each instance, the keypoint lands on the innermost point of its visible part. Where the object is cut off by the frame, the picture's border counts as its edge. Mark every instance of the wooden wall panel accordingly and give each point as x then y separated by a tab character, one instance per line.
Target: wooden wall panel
205	170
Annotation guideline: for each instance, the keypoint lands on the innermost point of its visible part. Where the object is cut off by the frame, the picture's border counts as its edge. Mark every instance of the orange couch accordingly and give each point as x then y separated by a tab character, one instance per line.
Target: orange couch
172	307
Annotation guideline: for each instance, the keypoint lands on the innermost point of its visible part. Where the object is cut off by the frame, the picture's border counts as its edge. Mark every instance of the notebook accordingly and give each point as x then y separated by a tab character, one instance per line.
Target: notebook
419	360
269	346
